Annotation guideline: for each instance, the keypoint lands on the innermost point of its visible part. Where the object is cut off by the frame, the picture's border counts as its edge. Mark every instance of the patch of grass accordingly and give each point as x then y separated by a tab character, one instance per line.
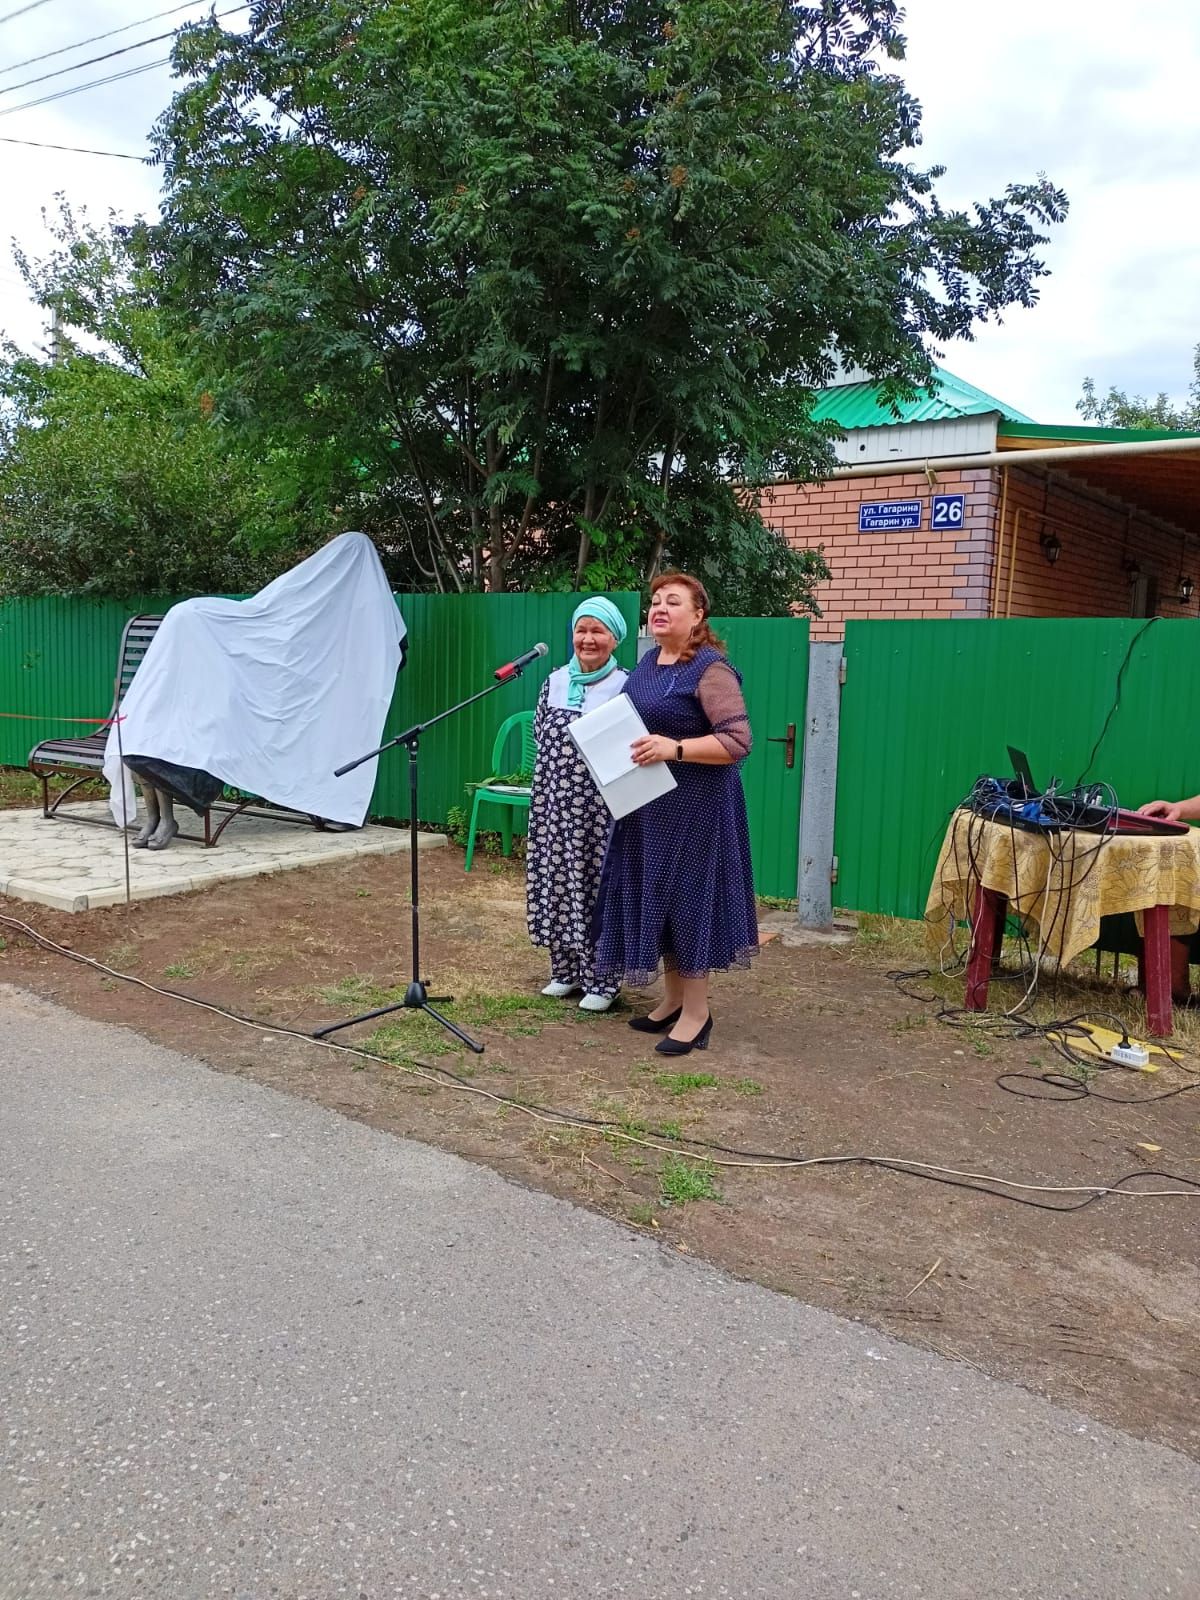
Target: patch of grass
747	1086
608	1109
775	902
898	941
488	842
495	1009
19	787
404	1043
981	1045
124	956
482	1010
228	960
681	1181
671	1130
679	1084
351	992
1082	1071
248	964
641	1214
178	969
626	1121
413	1034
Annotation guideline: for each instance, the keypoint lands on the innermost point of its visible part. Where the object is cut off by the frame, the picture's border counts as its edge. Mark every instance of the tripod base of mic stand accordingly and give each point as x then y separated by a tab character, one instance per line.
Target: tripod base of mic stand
415	999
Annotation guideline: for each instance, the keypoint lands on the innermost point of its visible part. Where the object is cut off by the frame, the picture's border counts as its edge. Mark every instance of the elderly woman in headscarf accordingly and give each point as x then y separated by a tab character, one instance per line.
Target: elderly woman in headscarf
568	820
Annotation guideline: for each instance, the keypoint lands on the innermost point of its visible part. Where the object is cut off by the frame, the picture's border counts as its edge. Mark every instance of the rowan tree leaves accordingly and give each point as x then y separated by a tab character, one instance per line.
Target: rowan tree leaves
561	276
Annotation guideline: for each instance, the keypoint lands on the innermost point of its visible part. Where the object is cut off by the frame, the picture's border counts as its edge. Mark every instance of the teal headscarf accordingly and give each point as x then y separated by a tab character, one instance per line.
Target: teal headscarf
609	617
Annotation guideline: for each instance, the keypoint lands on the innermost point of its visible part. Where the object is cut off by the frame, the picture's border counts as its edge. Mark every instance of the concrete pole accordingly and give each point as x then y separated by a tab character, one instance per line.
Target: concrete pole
814	891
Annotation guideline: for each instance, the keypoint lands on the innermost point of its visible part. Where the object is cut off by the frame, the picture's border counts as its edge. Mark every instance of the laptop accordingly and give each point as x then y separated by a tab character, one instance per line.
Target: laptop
1091	818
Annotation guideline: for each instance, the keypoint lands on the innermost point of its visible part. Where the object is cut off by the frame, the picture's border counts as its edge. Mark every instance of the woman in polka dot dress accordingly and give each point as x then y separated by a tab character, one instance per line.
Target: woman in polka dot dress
568	821
677	884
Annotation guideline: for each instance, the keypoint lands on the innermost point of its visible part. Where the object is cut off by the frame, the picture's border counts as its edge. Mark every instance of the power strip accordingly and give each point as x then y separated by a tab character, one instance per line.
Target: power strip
1129	1055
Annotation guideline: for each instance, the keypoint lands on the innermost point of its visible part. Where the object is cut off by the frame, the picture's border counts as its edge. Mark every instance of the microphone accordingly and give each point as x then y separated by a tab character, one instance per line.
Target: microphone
514	669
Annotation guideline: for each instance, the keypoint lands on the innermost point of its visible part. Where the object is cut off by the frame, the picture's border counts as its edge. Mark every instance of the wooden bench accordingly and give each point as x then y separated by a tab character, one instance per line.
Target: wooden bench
85	755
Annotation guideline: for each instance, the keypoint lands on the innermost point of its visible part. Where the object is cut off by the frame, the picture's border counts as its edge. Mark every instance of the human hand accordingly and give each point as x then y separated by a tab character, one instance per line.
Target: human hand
1168	810
653	748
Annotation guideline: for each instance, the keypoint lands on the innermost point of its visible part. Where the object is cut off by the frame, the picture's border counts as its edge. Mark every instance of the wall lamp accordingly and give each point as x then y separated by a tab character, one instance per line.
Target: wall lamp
1051	547
1187	587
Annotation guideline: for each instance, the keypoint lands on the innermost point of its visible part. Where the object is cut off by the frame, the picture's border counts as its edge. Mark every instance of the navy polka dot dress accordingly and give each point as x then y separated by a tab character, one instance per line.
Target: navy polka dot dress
677	882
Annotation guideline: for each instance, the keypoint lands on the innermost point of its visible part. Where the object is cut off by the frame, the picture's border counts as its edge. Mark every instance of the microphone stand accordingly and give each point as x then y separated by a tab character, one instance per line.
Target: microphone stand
416	996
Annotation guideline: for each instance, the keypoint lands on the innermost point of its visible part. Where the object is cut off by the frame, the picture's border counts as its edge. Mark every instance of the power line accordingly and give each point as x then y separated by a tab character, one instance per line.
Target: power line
36	144
122	50
34	4
96	38
61	72
81	88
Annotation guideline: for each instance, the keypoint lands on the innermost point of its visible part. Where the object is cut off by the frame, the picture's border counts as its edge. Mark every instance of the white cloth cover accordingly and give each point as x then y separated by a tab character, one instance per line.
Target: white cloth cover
272	693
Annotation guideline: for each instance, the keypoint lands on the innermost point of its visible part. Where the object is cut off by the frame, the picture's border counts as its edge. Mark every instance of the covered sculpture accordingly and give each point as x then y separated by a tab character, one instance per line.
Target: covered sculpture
268	694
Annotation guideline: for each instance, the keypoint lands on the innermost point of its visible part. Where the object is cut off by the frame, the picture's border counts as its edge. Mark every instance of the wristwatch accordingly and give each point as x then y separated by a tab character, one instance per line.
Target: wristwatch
679	752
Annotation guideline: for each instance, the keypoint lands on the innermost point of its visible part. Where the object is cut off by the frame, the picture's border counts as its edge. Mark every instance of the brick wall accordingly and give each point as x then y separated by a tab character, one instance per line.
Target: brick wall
921	573
917	573
1097	537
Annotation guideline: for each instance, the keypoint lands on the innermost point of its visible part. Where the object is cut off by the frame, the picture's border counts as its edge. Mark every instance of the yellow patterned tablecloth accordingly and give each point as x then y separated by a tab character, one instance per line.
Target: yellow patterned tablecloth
1065	882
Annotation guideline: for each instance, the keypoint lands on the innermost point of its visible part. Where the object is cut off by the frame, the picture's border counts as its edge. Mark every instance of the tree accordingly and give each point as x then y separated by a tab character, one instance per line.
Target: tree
115	477
1116	409
563	274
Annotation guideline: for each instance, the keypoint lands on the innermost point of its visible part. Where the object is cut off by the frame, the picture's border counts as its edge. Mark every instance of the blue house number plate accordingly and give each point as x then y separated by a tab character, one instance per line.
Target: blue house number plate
948	512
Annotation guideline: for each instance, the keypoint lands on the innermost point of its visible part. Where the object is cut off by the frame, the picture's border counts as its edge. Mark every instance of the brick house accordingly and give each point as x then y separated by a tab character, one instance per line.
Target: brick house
963	507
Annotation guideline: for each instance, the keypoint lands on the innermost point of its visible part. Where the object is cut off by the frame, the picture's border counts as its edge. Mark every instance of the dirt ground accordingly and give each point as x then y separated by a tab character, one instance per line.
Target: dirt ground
814	1052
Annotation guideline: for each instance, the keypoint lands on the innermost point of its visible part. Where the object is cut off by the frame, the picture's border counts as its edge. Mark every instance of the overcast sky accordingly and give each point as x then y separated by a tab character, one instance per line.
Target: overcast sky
1105	103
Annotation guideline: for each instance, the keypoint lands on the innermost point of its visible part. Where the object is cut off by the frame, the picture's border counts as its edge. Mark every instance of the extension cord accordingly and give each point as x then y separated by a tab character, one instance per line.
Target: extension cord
1130	1055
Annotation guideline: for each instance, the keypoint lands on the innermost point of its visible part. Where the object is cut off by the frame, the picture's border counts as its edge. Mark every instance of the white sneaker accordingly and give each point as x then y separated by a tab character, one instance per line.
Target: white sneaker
596	1002
559	991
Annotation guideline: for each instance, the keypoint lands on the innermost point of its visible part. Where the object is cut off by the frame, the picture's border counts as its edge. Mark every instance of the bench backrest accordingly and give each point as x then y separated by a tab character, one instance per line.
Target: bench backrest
135	641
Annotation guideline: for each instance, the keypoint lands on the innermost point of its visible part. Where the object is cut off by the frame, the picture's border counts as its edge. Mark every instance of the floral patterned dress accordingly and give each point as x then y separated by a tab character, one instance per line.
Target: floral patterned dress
568	831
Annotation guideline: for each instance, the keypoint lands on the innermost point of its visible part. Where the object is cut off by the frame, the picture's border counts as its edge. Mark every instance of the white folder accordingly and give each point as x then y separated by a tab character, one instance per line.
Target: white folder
604	738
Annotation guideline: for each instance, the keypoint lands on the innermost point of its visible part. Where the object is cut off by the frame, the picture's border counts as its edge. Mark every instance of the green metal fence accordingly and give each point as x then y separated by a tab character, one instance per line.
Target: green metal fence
927	706
930	705
455	644
772	655
57	659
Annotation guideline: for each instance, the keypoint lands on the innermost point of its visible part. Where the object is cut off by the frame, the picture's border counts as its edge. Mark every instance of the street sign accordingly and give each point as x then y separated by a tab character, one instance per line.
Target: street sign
948	512
889	516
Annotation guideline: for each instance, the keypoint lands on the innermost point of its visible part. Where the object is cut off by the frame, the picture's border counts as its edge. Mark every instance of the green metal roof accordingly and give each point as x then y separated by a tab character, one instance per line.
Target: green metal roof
1070	434
858	405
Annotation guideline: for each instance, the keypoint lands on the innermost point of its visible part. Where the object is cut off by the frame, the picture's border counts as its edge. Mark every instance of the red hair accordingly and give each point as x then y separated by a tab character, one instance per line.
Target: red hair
702	634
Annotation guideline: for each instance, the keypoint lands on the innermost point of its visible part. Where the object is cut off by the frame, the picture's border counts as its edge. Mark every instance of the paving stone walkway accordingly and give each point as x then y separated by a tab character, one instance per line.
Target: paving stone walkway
71	866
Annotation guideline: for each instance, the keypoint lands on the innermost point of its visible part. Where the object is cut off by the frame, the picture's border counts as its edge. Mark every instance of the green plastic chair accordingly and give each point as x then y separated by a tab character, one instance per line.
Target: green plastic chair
509	798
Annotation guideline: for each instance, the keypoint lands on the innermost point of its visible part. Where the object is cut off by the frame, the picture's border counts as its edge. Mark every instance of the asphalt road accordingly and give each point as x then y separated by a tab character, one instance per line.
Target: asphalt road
251	1349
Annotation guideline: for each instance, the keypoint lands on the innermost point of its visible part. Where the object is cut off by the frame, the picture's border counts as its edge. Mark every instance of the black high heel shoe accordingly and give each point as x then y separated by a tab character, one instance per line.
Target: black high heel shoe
648	1024
684	1047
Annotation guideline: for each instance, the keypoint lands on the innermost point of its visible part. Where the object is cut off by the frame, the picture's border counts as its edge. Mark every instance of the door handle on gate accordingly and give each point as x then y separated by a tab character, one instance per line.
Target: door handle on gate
788	740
